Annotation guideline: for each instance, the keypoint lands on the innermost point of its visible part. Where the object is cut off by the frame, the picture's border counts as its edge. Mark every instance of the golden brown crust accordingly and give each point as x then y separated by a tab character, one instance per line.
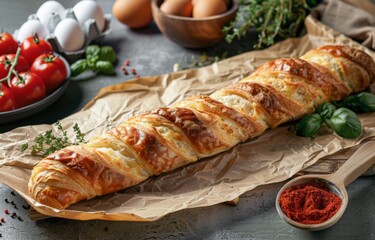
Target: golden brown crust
310	73
350	66
199	134
278	108
167	138
359	57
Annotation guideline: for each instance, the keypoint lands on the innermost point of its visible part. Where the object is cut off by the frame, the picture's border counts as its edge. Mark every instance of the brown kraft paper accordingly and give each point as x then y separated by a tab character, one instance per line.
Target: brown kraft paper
272	157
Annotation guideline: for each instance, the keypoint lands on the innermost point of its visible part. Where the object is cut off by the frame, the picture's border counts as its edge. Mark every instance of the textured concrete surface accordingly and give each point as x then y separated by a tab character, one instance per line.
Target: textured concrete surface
255	216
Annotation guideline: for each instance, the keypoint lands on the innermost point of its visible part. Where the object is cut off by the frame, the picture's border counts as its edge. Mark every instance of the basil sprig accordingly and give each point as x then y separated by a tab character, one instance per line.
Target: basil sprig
361	102
340	117
100	60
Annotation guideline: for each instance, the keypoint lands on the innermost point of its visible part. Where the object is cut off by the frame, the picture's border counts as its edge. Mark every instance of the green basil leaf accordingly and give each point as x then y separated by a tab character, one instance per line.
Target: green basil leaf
326	110
92	51
91	61
309	125
79	67
345	123
107	54
362	102
105	67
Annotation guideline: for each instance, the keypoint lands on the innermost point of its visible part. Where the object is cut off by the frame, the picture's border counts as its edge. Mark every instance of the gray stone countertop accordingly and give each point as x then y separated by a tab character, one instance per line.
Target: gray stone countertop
254	217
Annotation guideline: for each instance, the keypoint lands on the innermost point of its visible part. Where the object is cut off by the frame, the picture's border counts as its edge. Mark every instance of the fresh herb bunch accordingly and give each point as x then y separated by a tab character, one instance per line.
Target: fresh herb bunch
339	116
97	59
272	19
48	143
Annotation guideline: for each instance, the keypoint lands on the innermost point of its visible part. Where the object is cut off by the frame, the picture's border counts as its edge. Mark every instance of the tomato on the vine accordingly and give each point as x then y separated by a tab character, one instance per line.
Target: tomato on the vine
7	100
32	47
27	88
7	44
51	69
6	62
22	64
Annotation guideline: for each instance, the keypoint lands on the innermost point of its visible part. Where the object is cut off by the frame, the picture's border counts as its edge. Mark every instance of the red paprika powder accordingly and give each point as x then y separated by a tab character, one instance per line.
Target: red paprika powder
309	203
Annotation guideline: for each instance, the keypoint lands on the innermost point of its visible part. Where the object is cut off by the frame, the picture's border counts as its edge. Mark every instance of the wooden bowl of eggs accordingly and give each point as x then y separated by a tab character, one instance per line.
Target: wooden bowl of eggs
194	23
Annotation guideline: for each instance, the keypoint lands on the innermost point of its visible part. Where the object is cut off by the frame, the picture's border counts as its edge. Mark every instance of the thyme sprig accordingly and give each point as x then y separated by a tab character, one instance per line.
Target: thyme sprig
272	19
47	143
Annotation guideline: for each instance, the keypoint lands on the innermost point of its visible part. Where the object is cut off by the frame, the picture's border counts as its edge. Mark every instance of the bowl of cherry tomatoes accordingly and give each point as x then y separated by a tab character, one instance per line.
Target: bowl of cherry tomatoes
32	77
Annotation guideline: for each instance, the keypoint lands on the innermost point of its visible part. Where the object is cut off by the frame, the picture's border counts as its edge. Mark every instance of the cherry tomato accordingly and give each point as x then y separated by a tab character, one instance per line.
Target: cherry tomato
5	63
7	100
33	47
22	63
7	44
51	69
3	71
27	88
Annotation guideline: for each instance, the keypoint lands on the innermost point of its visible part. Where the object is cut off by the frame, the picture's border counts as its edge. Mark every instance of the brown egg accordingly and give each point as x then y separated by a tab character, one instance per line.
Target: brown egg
133	13
177	7
207	8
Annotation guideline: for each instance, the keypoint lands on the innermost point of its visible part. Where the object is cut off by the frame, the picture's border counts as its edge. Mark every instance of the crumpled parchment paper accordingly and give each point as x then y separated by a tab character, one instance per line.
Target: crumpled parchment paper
272	157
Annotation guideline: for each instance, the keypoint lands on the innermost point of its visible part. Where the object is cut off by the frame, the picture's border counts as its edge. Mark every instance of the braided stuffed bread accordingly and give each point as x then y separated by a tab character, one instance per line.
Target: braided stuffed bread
164	139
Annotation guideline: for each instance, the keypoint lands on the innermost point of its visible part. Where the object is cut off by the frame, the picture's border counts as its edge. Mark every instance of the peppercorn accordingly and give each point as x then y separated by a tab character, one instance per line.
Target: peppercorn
6	211
6	200
26	207
20	219
13	193
127	62
134	71
2	220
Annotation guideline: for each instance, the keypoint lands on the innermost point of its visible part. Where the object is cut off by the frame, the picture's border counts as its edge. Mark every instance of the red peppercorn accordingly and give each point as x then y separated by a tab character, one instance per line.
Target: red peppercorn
2	220
133	71
127	62
137	76
6	211
123	69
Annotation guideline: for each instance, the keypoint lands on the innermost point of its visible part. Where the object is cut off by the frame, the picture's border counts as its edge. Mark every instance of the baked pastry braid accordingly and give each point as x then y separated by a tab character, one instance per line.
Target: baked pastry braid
167	138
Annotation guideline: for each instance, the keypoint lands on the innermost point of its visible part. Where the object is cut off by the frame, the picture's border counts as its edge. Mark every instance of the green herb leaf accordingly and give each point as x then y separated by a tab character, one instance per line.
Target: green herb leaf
91	62
362	102
105	67
326	110
107	54
79	67
309	125
272	19
97	59
92	51
48	143
345	123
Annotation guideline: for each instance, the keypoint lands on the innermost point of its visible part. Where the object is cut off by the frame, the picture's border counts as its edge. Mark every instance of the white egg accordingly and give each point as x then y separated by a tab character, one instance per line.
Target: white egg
30	28
87	9
69	35
47	9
